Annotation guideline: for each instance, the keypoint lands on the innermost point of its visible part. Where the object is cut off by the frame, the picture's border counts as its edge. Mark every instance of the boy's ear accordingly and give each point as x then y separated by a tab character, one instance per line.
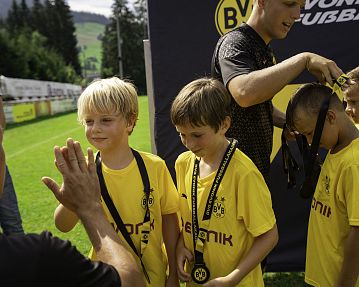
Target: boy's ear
131	123
226	124
331	116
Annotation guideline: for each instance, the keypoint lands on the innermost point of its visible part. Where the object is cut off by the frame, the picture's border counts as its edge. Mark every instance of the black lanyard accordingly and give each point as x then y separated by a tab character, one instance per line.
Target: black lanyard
310	154
289	163
201	233
145	228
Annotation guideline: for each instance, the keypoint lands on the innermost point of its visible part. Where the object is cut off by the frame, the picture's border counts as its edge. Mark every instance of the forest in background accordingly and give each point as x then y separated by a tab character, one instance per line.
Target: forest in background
38	41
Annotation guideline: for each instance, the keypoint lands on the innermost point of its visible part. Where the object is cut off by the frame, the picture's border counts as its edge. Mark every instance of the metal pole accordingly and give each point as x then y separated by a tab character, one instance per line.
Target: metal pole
119	42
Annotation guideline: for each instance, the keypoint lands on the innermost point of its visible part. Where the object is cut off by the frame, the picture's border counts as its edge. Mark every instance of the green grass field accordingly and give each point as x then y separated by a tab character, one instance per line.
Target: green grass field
29	151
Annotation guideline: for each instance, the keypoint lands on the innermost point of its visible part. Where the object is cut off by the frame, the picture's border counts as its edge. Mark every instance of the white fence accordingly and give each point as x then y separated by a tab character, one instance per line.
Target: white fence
28	99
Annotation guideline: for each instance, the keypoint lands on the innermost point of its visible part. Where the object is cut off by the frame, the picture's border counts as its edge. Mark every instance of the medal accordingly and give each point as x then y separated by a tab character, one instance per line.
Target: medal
200	273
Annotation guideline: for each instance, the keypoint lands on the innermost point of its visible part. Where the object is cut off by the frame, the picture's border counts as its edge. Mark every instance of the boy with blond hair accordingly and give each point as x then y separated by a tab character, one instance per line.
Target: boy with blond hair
138	194
228	221
333	230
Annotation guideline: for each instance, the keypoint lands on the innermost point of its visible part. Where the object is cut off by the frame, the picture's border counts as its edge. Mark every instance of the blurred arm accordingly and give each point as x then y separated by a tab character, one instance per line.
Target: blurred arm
80	193
170	231
350	268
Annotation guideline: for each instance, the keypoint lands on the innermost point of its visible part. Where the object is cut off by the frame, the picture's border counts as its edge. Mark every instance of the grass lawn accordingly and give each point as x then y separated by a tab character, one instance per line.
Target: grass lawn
29	151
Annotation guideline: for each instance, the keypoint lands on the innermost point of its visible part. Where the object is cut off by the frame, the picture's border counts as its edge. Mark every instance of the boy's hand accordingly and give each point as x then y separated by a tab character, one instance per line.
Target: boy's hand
80	191
289	135
183	254
172	281
219	282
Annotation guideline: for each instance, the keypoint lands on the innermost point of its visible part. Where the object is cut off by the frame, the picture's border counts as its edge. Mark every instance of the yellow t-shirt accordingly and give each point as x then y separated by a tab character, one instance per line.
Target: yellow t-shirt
242	210
126	190
335	207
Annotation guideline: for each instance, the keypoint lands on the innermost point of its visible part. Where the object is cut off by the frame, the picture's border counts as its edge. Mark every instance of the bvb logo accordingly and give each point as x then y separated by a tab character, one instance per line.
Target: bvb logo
231	13
144	201
200	274
219	209
326	183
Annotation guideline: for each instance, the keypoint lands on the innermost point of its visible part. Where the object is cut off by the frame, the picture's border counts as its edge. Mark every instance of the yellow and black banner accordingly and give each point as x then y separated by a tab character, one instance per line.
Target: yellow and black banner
183	35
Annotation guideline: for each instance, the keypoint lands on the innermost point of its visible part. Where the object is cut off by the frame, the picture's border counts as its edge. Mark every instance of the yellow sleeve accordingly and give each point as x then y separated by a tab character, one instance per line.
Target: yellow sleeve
348	193
254	204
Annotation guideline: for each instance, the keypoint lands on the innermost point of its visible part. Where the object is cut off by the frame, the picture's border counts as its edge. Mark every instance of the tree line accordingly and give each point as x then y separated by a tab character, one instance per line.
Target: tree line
40	42
133	27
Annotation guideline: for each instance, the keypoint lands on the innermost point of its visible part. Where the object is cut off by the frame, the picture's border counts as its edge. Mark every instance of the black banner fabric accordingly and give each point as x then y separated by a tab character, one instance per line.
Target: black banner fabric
183	35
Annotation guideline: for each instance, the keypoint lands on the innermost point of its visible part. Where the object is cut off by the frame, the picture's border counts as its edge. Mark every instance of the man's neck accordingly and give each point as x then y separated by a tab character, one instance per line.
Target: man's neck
255	23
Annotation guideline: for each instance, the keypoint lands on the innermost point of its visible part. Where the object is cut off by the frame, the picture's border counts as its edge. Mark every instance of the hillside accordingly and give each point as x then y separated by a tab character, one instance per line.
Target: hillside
89	41
89	30
85	17
79	17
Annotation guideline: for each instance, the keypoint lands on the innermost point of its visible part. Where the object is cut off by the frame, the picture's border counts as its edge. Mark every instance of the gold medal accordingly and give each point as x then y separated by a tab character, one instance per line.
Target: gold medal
200	273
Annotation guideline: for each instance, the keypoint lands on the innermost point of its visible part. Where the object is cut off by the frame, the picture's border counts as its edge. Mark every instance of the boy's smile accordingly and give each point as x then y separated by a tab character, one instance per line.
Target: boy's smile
107	131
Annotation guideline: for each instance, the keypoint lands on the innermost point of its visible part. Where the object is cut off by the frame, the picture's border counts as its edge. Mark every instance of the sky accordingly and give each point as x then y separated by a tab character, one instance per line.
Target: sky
94	6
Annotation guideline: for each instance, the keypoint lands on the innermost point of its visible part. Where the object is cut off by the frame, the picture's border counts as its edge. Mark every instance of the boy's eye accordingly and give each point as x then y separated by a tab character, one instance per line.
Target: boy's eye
107	119
87	122
197	136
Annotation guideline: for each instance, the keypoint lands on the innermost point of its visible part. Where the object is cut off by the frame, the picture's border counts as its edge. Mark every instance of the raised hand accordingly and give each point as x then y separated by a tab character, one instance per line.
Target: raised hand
80	191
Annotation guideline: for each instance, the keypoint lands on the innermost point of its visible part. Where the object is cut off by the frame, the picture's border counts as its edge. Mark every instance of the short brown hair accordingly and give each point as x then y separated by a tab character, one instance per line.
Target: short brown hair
310	97
204	101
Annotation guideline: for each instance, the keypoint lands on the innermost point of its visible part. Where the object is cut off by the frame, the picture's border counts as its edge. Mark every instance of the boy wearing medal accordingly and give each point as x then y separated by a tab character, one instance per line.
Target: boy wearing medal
333	231
138	194
228	221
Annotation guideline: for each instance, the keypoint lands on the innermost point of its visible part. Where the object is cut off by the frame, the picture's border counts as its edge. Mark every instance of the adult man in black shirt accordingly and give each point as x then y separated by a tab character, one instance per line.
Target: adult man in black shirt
44	260
243	60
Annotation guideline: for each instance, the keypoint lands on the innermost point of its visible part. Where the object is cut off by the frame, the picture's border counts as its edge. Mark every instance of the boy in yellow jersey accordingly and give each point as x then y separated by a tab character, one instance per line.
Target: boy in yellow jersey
138	194
228	221
351	96
333	231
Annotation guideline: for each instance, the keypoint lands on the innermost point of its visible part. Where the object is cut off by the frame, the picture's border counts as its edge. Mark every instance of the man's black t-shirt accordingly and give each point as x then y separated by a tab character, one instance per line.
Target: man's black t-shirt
239	52
44	260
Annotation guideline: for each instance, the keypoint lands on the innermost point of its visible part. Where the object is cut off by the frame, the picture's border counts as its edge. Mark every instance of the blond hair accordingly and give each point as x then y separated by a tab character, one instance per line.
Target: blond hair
109	96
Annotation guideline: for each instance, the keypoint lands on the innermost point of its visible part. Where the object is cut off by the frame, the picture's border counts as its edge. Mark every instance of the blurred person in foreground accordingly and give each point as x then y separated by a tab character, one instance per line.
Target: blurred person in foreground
44	260
10	218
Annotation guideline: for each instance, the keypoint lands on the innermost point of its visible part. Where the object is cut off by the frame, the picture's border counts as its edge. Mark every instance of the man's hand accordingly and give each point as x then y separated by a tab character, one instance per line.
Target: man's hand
323	69
80	191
